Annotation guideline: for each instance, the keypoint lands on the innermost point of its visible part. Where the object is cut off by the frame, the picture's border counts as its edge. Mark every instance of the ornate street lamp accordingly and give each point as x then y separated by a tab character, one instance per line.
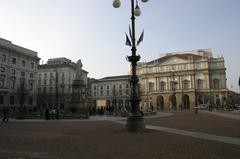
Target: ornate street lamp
135	120
174	107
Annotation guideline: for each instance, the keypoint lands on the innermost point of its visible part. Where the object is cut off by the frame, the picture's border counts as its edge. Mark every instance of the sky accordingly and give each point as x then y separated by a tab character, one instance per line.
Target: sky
94	31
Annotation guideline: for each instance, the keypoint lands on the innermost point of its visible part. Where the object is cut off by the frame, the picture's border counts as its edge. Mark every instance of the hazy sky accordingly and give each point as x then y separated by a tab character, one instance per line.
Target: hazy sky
94	31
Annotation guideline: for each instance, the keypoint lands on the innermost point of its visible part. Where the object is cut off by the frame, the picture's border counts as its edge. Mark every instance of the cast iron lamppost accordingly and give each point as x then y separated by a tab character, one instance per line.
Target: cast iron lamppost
135	119
174	107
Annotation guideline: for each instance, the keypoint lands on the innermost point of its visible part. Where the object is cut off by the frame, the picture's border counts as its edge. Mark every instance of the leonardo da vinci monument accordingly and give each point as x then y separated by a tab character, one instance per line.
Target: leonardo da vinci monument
78	99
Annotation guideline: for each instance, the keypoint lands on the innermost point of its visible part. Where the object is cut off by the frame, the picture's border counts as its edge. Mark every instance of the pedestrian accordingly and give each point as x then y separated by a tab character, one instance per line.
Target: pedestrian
5	114
47	114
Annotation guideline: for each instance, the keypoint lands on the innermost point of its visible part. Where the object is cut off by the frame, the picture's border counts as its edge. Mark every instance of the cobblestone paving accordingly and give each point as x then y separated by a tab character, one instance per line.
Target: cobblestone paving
108	140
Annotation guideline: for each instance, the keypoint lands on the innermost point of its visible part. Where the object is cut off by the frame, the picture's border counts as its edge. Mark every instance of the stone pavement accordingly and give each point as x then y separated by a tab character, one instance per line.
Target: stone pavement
227	114
167	136
122	120
207	136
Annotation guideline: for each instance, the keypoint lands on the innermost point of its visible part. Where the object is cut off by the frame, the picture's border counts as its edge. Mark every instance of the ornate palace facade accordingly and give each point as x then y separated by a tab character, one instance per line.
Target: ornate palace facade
182	80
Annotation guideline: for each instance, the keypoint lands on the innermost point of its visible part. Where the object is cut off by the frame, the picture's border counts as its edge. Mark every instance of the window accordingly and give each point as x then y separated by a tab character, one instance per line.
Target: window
45	75
23	63
39	75
95	94
120	86
39	82
186	84
151	86
216	84
2	69
120	92
14	60
2	81
31	75
1	99
95	88
101	93
3	58
13	71
11	100
45	82
51	75
107	92
23	74
50	81
32	65
200	84
39	90
198	66
184	66
162	86
12	83
30	85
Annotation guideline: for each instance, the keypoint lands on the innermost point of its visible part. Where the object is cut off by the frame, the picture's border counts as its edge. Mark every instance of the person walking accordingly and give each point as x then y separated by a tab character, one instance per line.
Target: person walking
5	114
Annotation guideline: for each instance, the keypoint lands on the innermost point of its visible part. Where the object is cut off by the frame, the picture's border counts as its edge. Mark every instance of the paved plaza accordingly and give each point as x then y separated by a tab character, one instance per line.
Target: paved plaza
168	135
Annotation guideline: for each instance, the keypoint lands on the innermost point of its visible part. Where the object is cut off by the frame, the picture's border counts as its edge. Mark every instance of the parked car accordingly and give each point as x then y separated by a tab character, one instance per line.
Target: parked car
202	106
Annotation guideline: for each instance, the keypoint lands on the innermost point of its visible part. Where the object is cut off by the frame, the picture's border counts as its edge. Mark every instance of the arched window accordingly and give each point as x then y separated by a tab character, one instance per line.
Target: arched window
216	84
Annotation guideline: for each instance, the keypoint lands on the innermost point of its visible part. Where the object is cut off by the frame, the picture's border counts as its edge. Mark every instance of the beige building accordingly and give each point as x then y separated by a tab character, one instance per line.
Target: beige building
55	79
18	73
192	77
113	91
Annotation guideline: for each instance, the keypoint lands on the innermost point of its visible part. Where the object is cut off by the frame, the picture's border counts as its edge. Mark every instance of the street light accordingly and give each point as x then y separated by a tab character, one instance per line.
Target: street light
135	120
174	107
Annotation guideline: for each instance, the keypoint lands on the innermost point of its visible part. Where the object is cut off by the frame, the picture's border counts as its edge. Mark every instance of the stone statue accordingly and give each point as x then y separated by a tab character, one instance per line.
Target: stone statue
79	69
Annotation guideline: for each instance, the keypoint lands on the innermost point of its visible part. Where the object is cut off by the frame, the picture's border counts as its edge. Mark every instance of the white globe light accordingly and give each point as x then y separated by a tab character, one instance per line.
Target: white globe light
116	3
137	11
144	1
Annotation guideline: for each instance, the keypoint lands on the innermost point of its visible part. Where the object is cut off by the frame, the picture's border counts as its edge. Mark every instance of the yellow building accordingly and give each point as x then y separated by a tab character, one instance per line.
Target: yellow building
183	80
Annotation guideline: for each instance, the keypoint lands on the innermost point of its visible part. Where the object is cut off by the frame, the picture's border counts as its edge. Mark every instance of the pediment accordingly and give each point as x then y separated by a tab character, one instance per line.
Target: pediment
173	60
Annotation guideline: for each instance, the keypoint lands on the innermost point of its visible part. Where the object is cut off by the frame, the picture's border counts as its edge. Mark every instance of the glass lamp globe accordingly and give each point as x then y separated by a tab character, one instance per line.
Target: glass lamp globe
116	3
137	11
144	1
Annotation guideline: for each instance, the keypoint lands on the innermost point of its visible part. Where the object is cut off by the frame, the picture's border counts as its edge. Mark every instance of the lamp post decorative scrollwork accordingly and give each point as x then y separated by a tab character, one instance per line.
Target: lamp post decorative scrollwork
135	120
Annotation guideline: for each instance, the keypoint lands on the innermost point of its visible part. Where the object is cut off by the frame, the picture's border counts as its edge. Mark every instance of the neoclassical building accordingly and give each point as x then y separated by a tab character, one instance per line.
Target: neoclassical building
54	82
18	73
113	91
182	80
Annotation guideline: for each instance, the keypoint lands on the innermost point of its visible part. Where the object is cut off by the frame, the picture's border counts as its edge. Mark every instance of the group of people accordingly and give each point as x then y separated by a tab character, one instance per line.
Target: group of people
51	114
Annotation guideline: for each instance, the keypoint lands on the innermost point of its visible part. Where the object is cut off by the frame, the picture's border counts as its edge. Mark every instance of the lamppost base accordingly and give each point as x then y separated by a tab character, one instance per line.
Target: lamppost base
135	123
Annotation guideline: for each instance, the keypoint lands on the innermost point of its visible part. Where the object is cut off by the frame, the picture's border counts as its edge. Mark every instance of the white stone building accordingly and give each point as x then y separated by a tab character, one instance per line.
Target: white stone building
113	91
55	79
18	72
195	77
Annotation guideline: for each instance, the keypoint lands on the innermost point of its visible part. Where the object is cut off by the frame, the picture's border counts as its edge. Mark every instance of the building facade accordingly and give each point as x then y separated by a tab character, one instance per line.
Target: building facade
55	79
18	74
111	92
183	80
